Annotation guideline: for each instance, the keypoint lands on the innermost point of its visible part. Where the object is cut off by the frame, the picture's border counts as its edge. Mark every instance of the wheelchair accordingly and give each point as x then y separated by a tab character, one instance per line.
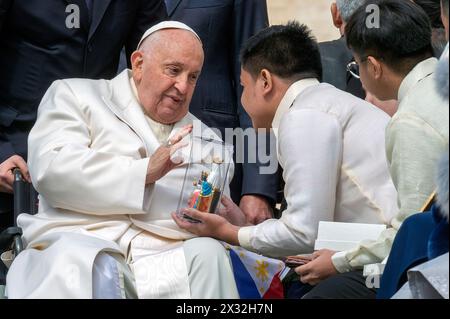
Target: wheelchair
25	202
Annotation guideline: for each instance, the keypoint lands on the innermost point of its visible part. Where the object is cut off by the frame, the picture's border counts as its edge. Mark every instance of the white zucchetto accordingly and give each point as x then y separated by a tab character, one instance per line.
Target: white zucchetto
166	25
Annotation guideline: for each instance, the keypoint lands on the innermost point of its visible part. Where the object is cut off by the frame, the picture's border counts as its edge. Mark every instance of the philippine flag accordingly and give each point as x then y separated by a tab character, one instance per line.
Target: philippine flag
257	277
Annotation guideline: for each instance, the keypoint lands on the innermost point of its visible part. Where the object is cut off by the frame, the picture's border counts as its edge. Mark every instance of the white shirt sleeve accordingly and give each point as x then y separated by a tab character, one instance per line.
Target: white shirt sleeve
310	148
412	178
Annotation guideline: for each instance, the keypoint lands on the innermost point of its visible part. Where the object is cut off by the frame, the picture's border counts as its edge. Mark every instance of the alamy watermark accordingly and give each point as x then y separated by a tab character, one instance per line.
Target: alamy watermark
73	17
373	19
373	274
72	277
251	146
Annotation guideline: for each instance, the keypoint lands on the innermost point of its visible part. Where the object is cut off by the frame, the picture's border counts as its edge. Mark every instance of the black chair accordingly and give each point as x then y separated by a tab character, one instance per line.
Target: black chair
25	202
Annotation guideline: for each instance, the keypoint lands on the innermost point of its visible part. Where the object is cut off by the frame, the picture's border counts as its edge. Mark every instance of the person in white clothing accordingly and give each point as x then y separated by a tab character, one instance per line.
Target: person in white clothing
330	145
101	158
395	61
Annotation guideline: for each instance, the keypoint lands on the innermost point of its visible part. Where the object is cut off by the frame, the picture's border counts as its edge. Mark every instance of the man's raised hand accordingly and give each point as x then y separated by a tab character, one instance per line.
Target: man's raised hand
162	162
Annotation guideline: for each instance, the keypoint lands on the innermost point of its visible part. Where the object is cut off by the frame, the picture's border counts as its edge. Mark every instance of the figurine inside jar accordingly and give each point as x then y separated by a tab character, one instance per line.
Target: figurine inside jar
207	193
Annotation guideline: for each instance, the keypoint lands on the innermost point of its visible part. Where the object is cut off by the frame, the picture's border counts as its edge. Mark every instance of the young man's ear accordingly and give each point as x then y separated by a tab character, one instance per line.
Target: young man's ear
337	19
266	81
375	67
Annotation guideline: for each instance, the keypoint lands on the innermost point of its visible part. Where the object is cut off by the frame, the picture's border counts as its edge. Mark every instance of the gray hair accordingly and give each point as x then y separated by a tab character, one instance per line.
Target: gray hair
442	75
442	182
348	7
442	82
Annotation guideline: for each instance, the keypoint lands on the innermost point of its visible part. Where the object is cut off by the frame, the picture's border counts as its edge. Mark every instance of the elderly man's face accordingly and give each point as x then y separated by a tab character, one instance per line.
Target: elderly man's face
166	74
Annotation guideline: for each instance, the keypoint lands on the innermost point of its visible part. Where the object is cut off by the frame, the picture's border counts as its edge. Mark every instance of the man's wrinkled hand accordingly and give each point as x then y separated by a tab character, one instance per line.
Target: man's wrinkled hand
232	212
319	269
256	209
6	173
162	161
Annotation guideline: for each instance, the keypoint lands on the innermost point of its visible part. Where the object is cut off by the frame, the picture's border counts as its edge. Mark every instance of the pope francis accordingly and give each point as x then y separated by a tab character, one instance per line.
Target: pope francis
100	157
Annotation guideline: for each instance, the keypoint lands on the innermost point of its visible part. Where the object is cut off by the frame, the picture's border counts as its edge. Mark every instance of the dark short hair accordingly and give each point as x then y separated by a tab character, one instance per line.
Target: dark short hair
402	40
289	51
433	9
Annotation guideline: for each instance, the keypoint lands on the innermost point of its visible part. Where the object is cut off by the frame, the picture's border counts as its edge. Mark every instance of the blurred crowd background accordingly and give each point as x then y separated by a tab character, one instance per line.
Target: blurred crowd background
314	13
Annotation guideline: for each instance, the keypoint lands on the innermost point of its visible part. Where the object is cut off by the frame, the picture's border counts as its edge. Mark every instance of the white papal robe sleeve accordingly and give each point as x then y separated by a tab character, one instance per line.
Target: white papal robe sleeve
310	148
71	175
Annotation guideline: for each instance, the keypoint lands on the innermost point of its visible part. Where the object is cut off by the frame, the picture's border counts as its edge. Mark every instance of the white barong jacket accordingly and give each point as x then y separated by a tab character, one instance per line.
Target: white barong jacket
331	146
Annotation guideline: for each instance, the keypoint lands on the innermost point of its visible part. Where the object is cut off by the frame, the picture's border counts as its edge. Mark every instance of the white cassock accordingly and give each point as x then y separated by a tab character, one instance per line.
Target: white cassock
88	158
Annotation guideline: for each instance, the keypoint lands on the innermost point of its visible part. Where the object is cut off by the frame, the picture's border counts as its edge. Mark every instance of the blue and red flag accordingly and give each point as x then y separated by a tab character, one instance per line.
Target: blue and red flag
257	277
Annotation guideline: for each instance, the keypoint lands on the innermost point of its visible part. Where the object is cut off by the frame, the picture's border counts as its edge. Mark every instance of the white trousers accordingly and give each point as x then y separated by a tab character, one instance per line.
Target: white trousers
209	271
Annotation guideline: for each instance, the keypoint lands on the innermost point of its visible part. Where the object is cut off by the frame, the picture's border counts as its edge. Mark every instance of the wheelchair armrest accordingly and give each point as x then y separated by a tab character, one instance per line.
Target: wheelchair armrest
11	238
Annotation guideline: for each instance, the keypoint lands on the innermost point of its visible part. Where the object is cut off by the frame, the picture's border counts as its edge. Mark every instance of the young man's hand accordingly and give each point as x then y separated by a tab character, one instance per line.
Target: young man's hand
319	269
210	225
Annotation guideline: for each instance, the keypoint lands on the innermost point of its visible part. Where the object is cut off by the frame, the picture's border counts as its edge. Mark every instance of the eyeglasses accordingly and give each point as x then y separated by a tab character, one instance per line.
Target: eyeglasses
353	68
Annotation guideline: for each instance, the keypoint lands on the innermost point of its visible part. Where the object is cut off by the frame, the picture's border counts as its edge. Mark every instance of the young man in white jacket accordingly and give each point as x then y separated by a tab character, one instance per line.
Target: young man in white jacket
395	62
330	145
